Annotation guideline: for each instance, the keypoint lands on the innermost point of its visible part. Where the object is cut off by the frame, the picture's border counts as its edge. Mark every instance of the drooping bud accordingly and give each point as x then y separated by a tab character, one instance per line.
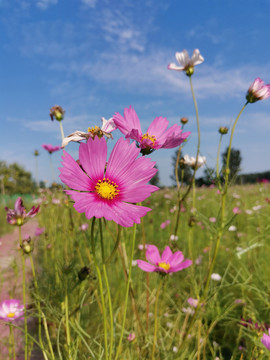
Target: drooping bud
57	113
223	130
184	120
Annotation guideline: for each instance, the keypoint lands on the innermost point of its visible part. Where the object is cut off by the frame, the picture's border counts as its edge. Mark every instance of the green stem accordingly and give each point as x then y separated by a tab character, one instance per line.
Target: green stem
38	305
24	298
220	232
67	319
127	292
61	129
156	319
109	258
218	157
11	350
104	312
108	289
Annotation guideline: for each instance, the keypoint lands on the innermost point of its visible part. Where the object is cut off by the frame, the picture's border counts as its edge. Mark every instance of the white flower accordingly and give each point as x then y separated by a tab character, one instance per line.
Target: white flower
215	277
175	349
187	63
191	161
257	207
249	212
232	228
173	237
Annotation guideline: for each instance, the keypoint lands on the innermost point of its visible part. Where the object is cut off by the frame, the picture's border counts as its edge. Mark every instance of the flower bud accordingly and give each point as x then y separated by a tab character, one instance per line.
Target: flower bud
192	221
36	153
27	246
184	120
190	71
57	113
223	130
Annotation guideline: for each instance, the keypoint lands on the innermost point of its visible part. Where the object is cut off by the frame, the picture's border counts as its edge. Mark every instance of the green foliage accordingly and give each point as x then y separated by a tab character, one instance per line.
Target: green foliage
184	172
14	179
234	164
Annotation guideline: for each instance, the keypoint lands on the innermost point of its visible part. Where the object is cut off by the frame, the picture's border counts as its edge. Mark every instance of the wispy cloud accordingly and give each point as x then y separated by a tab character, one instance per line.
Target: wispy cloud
90	3
44	4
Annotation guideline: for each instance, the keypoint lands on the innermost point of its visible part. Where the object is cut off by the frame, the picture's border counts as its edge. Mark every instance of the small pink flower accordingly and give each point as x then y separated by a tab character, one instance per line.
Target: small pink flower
258	91
39	231
109	189
212	219
84	227
11	310
193	302
168	263
51	148
266	340
165	224
19	214
156	137
131	337
236	210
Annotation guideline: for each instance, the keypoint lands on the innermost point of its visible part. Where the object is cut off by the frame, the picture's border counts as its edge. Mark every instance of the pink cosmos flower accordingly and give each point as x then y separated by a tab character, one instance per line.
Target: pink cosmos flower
193	302
186	63
84	227
11	310
156	137
258	91
165	224
266	340
19	214
51	148
39	231
167	263
131	337
236	210
105	189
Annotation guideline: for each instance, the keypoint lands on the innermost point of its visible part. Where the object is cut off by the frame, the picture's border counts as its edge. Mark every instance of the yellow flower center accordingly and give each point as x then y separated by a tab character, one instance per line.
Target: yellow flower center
95	130
107	189
11	315
149	137
164	266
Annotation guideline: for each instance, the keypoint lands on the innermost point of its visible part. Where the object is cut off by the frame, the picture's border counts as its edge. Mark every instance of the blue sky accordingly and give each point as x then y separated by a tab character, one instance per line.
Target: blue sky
96	57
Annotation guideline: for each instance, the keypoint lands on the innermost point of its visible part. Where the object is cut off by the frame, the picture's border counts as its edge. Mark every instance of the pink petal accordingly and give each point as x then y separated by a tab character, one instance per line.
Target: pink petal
172	66
182	57
152	254
72	175
158	127
137	193
181	266
93	157
128	122
128	214
134	134
145	266
176	258
166	255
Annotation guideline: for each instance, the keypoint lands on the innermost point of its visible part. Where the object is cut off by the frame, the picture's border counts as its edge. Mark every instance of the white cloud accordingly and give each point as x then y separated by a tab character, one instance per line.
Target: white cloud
90	3
44	4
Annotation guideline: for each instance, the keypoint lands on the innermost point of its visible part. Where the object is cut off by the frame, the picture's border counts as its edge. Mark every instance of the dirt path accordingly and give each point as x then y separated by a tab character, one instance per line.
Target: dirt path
10	283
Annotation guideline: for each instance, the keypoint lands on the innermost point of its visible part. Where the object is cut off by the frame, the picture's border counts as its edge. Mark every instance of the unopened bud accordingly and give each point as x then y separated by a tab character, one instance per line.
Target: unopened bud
223	130
184	120
192	221
36	153
27	246
57	113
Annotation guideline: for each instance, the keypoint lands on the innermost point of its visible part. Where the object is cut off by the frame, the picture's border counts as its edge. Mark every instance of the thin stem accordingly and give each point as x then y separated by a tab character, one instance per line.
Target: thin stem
109	258
107	288
156	319
47	335
11	350
24	298
127	291
61	129
104	312
220	232
67	319
38	304
218	157
52	170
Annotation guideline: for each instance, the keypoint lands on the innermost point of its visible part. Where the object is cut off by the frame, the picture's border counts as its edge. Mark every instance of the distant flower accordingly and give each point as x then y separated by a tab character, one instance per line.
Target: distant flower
106	189
19	214
169	262
236	210
198	261
263	181
56	201
107	127
188	310
236	196
142	247
193	302
51	148
257	207
212	219
215	277
156	137
11	310
184	120
84	227
239	301
258	91
165	224
191	161
266	340
57	113
232	228
39	231
173	237
131	337
186	63
175	349
248	212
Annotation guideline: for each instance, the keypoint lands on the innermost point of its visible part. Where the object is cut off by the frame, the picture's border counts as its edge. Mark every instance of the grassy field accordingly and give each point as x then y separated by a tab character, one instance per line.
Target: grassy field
228	324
